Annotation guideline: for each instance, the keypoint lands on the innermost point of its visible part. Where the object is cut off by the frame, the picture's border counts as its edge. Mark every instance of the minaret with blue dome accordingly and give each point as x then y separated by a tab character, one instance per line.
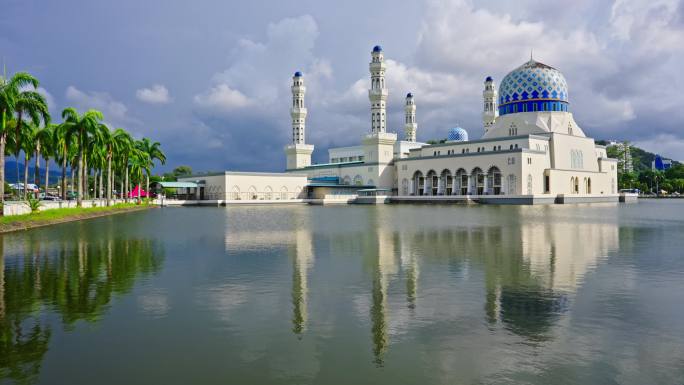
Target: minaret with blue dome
377	94
298	153
410	125
490	111
298	110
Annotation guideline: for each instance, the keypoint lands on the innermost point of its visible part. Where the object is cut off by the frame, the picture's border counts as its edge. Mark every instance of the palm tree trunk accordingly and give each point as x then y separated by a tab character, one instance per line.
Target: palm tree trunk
26	164
36	169
3	139
127	183
79	198
101	189
47	174
110	180
147	185
84	181
64	181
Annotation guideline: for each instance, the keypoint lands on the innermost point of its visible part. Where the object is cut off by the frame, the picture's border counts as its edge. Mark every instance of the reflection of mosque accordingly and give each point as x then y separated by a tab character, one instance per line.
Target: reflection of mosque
72	277
531	269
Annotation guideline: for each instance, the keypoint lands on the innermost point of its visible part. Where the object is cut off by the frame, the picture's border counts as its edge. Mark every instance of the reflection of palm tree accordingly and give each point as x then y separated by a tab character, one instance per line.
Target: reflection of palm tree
76	279
22	347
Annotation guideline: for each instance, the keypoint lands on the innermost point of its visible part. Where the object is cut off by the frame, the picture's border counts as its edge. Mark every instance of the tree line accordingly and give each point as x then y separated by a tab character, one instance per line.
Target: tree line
81	143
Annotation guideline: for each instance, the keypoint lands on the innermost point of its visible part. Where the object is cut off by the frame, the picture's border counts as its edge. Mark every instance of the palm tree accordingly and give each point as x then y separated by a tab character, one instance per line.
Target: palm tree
153	151
32	104
139	162
27	145
63	148
10	93
125	145
112	142
45	148
81	127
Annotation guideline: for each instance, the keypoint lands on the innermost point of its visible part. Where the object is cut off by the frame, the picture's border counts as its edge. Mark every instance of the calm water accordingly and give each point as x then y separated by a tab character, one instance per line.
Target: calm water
590	294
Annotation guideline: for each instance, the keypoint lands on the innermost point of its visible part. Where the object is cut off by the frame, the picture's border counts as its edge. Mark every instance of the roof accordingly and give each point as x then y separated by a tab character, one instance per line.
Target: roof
177	184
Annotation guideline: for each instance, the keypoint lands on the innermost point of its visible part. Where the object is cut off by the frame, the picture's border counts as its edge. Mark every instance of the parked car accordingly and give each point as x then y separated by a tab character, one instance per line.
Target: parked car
50	197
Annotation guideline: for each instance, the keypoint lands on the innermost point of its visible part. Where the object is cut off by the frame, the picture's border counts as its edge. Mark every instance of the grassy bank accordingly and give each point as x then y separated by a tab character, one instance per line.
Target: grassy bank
53	216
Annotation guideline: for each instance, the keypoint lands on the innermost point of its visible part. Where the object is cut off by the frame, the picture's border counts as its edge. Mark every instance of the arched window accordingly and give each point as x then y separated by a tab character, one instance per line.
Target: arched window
589	186
235	193
283	193
268	193
358	181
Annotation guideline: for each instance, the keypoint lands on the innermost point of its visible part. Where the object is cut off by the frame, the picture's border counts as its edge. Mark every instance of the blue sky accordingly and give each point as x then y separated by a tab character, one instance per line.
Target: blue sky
210	79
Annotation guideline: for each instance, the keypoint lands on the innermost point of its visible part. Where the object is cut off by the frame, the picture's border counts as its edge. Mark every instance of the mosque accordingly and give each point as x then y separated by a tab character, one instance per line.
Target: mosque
532	151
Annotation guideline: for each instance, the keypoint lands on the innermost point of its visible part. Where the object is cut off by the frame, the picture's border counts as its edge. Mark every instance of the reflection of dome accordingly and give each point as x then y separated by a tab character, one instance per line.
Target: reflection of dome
377	48
531	87
489	79
298	74
409	95
457	134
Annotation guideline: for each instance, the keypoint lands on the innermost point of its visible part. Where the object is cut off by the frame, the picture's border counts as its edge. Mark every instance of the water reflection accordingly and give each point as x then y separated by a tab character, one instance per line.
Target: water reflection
73	276
302	261
530	269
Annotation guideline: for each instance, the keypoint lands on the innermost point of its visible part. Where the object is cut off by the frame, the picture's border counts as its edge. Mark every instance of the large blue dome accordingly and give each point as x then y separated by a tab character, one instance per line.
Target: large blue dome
457	134
533	86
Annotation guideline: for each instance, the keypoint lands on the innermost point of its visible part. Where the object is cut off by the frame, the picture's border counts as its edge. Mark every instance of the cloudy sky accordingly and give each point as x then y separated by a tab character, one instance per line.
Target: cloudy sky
210	79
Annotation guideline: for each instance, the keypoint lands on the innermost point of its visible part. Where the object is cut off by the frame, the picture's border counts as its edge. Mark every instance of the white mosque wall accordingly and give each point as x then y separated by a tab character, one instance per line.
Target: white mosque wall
251	186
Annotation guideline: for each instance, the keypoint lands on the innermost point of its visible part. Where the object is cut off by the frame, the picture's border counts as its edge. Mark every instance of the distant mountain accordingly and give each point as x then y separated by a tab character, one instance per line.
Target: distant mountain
11	172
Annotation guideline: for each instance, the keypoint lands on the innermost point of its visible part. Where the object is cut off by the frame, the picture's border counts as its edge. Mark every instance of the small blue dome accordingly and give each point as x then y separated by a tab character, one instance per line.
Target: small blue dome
409	95
377	48
457	134
298	74
489	79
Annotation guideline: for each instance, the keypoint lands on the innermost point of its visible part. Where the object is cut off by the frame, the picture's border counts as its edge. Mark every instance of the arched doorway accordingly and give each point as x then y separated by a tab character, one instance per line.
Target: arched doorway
494	181
462	181
446	183
418	183
478	178
432	183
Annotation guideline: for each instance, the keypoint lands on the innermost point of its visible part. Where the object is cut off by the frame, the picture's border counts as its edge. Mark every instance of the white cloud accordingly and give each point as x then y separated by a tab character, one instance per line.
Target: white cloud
222	99
157	94
260	70
115	112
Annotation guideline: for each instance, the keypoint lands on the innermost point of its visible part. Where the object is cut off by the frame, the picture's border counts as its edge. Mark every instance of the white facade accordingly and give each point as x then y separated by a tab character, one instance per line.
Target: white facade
250	186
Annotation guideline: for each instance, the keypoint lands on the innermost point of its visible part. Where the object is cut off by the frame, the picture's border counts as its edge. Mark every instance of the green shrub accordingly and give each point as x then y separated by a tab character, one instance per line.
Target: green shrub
33	204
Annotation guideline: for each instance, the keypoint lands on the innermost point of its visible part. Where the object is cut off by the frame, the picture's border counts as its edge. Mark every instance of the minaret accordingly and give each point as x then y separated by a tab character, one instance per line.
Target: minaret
410	126
491	111
298	111
378	93
298	153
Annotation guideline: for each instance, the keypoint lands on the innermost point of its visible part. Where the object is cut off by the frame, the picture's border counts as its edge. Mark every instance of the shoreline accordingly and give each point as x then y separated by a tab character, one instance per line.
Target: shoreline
83	214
